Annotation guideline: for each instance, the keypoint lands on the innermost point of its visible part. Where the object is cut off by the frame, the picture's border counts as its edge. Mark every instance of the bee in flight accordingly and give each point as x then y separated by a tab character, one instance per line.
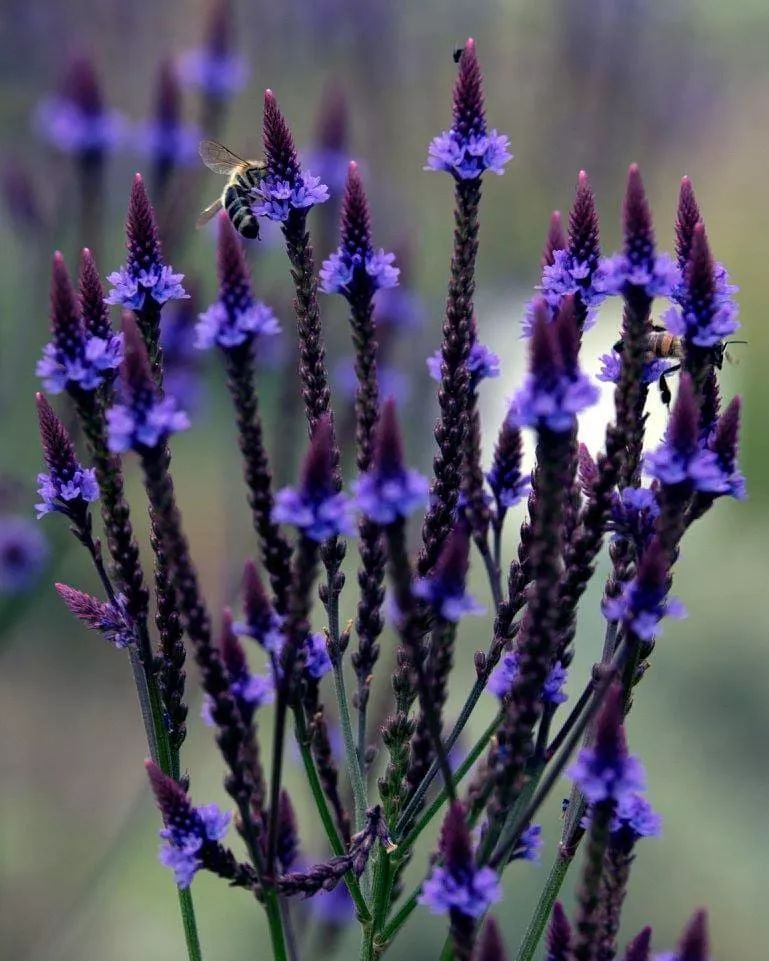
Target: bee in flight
236	197
661	345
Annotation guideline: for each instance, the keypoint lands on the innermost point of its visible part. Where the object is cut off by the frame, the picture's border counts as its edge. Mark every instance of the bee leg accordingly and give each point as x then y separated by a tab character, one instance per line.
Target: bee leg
665	394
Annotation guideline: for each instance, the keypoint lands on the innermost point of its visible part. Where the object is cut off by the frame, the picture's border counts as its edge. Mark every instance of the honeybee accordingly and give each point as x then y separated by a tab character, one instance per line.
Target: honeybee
661	345
236	197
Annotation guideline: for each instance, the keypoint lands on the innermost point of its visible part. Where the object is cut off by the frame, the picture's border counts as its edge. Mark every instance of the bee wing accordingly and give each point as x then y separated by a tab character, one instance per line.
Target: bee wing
210	211
218	158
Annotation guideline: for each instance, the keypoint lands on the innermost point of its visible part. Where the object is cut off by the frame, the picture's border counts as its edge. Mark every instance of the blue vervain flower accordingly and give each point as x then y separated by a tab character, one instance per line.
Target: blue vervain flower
444	590
110	620
214	68
68	487
501	680
508	484
482	364
249	691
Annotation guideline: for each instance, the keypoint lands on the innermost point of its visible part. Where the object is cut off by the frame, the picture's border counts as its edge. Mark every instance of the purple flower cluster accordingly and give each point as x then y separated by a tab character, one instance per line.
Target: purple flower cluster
566	275
317	661
226	327
214	68
144	422
634	511
110	620
634	818
657	276
183	839
468	149
508	484
482	364
501	681
66	491
249	691
555	390
275	198
444	590
529	845
261	621
23	554
344	270
611	371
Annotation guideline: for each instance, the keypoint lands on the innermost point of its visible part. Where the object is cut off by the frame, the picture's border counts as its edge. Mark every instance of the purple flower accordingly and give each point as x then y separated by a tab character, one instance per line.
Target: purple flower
444	590
183	841
566	275
166	139
23	554
214	68
316	507
508	485
343	271
555	390
634	818
458	885
501	680
68	488
722	440
611	371
468	149
317	663
529	845
482	363
250	691
644	601
634	511
389	490
658	277
261	622
110	620
605	771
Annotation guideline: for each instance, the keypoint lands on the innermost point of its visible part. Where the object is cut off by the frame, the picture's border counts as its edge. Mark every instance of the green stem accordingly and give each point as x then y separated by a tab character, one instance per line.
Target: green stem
187	910
383	877
325	815
544	906
275	923
391	929
351	752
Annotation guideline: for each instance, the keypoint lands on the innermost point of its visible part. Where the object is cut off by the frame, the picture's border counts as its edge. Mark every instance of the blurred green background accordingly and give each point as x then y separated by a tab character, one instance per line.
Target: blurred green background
680	86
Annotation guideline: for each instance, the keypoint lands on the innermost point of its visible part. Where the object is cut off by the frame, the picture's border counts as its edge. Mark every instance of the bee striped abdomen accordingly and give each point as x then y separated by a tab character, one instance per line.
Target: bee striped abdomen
238	206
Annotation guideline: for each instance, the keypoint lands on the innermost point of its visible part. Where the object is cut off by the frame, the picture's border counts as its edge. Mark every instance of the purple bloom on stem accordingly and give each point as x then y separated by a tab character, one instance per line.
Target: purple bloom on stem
605	771
635	818
315	507
214	68
529	845
317	662
23	554
110	620
249	691
634	511
644	601
611	371
67	488
501	681
555	390
444	589
166	139
188	830
262	623
458	885
482	363
143	420
236	318
508	485
389	490
468	149
723	442
145	273
330	156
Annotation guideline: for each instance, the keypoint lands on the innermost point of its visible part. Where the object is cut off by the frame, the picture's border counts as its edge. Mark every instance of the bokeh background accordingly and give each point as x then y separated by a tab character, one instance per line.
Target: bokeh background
680	86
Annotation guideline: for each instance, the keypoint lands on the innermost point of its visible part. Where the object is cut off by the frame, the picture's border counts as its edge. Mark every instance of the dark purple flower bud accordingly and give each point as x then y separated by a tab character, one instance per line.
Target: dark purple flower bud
558	935
67	488
94	311
355	269
214	68
501	681
644	600
634	511
143	420
23	554
605	771
584	235
444	589
482	364
491	947
261	623
706	313
79	356
288	833
315	507
681	457
145	273
555	390
76	121
638	269
249	691
687	218
286	187
236	318
110	620
468	149
389	490
458	885
508	485
166	139
694	945
640	946
554	241
187	829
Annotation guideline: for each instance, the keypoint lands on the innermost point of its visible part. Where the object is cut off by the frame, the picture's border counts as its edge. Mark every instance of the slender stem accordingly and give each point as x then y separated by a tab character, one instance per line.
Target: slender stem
492	570
362	710
353	766
544	906
187	910
391	929
325	814
496	527
570	721
275	924
278	738
380	902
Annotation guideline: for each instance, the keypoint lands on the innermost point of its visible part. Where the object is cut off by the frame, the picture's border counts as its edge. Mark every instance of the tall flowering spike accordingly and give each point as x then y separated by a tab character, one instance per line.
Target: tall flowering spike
558	935
687	218
166	139
640	947
190	834
142	421
67	488
286	188
491	947
288	833
555	239
638	271
605	771
555	390
706	313
110	620
249	691
458	886
329	155
681	459
145	273
355	269
95	314
694	945
389	490
236	319
508	484
214	68
468	149
261	621
584	232
644	601
316	507
233	655
444	589
724	442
